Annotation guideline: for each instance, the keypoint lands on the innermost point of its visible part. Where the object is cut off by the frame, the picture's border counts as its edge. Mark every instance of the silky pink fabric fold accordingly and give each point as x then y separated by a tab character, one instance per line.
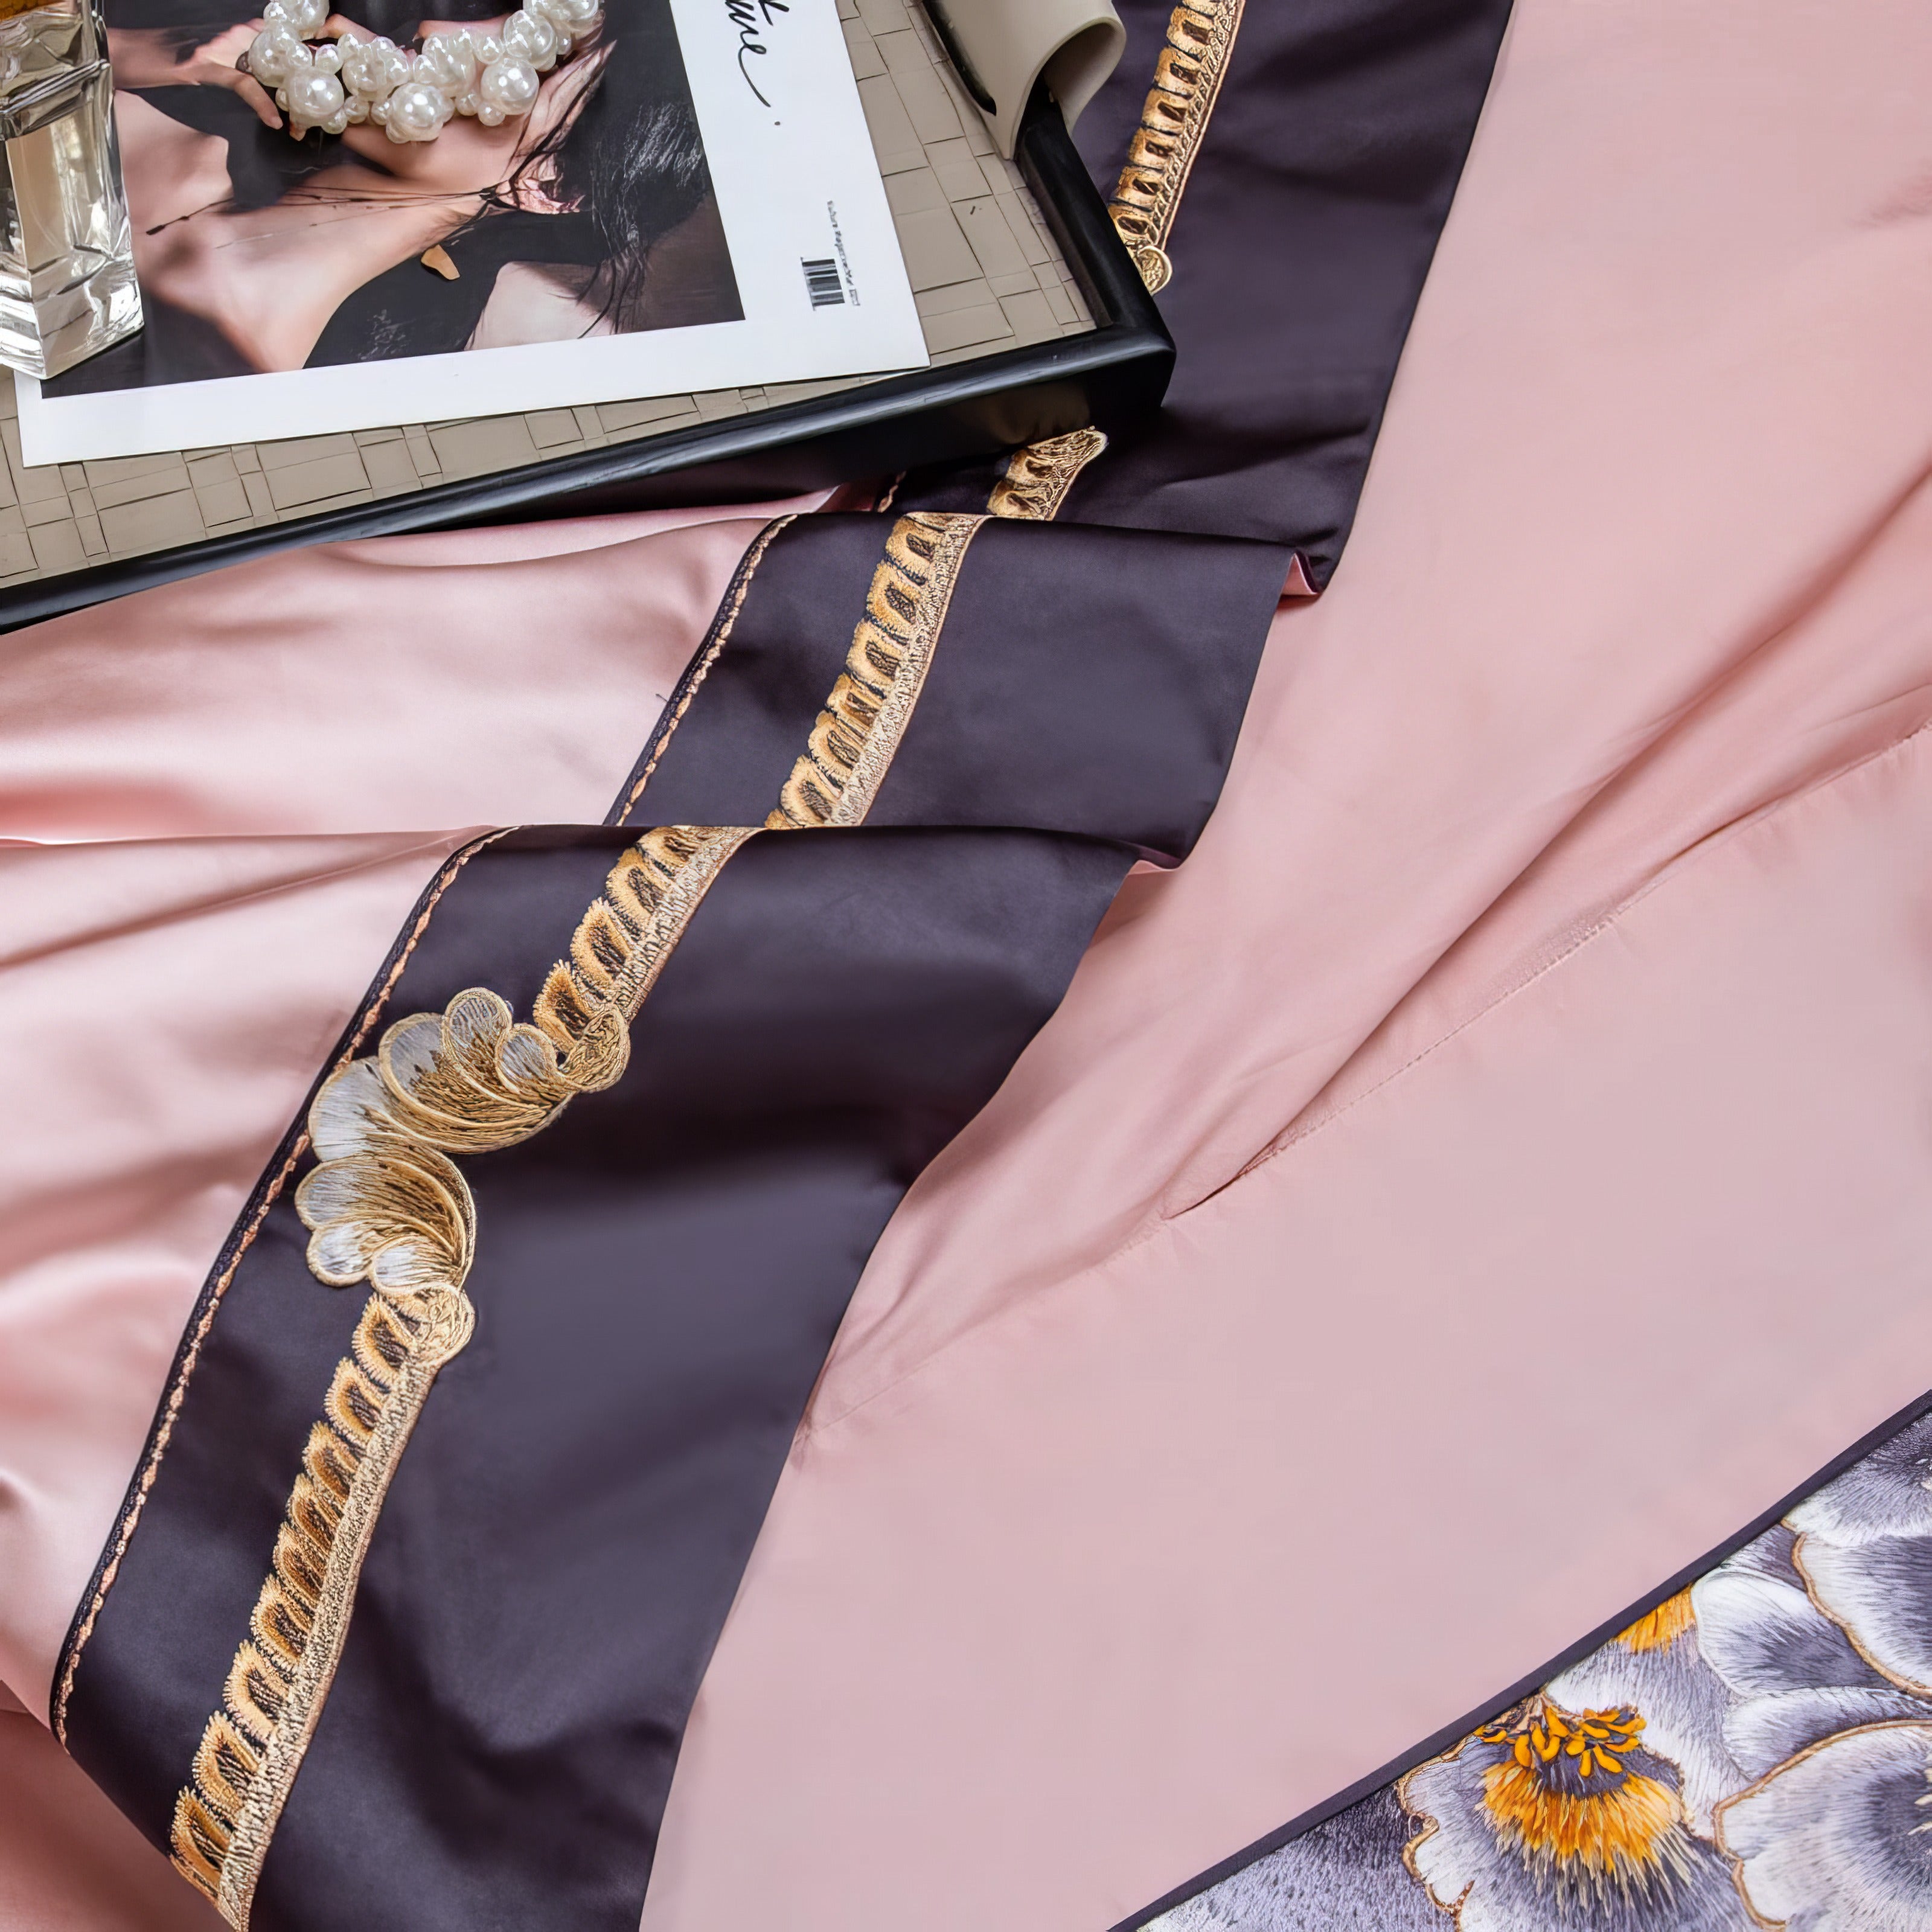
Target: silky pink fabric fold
1111	1588
1495	1168
361	687
1661	399
69	1861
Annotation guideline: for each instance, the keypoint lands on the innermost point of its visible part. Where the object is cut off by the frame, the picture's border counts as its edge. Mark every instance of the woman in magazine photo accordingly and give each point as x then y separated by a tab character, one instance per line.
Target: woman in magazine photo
593	214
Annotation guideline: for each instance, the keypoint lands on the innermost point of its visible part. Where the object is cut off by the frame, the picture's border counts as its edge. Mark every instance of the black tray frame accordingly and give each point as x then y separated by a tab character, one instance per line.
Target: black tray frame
1111	376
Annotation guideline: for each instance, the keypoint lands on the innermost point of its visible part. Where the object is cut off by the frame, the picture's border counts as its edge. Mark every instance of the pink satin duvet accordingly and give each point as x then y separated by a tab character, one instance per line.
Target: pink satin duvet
1399	1254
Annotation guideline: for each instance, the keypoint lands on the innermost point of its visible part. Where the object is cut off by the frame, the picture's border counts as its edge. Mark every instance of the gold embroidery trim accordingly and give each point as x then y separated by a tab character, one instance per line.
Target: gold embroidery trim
852	740
131	1515
250	1751
386	1204
1038	475
1174	117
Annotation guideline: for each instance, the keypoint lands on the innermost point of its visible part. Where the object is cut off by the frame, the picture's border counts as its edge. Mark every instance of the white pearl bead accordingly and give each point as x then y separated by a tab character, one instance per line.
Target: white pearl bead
417	111
306	16
488	48
272	52
531	37
575	17
315	100
372	70
510	85
448	61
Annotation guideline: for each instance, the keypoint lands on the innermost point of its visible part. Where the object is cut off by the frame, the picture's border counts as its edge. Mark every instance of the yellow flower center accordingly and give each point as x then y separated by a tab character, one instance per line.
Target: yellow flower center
1564	1800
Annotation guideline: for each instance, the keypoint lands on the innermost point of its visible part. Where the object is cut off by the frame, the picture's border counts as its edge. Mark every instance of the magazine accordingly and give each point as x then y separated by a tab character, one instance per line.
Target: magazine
692	203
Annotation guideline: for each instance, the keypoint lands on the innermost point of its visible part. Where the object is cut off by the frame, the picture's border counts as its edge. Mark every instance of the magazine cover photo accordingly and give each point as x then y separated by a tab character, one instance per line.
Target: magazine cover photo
347	220
593	213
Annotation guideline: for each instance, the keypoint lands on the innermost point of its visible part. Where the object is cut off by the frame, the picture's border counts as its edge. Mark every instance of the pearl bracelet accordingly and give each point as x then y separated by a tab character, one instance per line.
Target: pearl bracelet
411	96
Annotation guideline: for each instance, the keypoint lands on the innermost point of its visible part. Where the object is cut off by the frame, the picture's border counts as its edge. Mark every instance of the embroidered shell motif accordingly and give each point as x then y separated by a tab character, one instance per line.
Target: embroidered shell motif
387	1204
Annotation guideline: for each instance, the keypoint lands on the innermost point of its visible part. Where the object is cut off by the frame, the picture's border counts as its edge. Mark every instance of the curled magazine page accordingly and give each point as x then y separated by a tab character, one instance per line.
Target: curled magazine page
1002	47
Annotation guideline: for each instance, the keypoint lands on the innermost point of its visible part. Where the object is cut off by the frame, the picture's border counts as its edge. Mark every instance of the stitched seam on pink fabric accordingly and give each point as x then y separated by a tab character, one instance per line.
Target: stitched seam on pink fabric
131	1512
1712	842
1785	612
720	635
1167	1225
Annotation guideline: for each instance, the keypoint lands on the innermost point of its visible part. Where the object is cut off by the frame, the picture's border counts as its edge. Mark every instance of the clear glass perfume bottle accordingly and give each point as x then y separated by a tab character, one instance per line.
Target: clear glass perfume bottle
67	259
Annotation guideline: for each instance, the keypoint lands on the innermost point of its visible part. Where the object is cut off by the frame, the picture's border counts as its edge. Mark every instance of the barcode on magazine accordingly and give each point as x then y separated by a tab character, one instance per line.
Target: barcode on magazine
822	284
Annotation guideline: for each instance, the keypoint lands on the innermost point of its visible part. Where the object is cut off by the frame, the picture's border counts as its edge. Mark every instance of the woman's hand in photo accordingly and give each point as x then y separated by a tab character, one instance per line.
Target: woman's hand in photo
162	57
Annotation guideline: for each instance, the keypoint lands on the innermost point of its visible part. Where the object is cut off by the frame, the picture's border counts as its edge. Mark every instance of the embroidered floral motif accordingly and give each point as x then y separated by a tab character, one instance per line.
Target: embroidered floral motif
1826	1642
131	1514
1174	117
1561	1817
1658	1666
1759	1753
1834	1841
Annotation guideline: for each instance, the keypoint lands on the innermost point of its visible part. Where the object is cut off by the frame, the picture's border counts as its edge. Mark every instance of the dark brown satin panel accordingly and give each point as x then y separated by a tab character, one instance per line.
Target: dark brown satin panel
659	1272
1299	252
1085	672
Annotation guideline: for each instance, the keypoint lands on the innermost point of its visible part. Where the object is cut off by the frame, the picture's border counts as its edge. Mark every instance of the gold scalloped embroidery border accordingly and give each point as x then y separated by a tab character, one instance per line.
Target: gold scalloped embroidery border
1038	475
853	738
131	1511
385	1203
251	1748
1173	118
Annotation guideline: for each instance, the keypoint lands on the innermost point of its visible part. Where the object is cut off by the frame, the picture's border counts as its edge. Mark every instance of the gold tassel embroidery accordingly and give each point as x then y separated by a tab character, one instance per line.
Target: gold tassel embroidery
852	742
251	1748
1174	117
1038	475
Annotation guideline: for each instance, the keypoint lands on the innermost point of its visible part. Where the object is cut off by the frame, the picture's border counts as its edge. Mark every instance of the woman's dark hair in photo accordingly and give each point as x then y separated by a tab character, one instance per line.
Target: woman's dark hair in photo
629	162
626	168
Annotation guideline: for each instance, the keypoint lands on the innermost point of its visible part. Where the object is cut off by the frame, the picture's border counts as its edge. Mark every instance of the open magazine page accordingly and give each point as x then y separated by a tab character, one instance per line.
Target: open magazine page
692	203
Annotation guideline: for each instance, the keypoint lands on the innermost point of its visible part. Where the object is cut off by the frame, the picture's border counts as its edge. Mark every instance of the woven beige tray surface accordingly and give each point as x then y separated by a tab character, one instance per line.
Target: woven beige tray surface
986	272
